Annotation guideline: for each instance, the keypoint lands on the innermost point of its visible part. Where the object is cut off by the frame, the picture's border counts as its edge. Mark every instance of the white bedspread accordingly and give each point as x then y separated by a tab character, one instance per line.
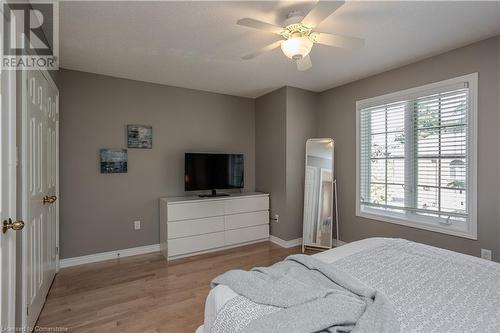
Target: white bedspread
432	290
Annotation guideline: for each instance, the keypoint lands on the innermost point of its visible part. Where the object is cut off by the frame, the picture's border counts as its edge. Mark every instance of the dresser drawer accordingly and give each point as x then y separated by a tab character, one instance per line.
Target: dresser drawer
244	205
195	210
195	227
186	245
246	234
246	219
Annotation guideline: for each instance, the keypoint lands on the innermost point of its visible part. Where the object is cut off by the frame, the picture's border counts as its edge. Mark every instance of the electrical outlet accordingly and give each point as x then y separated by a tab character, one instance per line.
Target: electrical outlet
486	254
276	218
137	225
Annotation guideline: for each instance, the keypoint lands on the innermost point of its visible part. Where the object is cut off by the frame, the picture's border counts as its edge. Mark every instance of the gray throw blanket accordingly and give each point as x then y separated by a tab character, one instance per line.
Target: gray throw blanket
313	297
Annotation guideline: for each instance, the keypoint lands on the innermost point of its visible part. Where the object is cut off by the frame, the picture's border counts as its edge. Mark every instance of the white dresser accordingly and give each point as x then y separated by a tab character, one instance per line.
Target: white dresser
193	225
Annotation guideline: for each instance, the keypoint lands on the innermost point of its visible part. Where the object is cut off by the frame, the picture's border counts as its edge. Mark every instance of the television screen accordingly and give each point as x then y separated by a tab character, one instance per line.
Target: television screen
204	171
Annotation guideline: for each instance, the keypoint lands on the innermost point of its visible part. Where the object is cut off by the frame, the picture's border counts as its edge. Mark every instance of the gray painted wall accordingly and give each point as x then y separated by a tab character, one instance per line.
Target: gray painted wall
284	120
301	114
97	210
270	154
337	118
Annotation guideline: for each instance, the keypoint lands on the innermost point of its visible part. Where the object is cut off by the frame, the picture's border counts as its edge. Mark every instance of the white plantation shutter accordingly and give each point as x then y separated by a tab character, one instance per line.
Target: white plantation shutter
416	156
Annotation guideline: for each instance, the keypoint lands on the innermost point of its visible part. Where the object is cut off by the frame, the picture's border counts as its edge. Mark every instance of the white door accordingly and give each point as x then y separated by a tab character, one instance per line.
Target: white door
8	178
40	190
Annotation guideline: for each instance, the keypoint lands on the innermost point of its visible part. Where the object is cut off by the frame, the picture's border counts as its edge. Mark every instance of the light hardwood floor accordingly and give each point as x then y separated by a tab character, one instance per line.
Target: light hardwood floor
144	293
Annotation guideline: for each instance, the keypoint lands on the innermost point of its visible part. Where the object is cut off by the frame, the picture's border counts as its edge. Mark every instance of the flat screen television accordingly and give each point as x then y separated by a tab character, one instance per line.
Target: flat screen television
210	171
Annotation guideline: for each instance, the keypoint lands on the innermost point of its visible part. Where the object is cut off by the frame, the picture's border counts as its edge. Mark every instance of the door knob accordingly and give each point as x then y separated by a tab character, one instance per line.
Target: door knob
8	224
49	199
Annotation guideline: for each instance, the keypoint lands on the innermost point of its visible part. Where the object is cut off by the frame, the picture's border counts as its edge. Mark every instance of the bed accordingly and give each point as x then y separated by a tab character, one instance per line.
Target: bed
431	289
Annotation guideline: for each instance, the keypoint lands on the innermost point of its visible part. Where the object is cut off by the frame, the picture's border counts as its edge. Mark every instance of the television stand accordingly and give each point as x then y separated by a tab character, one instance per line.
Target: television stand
213	195
190	225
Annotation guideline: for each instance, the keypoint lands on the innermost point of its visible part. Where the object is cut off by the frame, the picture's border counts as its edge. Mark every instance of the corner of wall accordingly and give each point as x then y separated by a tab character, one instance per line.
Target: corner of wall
285	119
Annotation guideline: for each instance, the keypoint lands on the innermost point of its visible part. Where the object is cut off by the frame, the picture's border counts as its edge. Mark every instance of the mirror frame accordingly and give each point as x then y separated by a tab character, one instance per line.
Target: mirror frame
314	246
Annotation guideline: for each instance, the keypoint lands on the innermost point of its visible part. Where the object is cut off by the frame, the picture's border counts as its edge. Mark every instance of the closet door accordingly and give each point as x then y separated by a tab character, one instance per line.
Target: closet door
40	200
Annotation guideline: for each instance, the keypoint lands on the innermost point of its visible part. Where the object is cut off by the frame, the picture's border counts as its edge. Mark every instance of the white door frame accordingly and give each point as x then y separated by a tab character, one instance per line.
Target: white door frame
24	186
57	175
9	196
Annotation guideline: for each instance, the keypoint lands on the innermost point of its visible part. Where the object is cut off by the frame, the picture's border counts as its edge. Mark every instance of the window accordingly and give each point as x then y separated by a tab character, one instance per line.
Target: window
416	157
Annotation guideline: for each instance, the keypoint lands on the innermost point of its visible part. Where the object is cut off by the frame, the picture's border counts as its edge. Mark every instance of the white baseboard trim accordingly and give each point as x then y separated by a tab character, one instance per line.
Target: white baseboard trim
338	242
297	242
68	262
284	243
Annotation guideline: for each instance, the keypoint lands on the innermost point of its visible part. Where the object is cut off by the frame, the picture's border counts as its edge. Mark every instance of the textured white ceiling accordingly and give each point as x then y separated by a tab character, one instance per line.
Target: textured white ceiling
198	44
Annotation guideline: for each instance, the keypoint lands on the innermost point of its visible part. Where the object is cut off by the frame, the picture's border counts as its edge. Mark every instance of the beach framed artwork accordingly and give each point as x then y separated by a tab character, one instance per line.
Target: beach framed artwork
139	136
114	160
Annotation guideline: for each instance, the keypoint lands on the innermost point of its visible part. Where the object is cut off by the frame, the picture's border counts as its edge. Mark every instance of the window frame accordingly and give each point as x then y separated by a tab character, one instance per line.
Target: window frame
415	221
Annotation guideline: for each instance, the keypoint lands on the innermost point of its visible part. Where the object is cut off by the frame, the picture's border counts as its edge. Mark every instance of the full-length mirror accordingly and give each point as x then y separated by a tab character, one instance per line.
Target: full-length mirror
318	194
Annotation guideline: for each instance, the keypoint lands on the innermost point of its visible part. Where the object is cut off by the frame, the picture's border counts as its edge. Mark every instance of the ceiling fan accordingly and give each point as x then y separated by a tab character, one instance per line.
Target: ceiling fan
298	35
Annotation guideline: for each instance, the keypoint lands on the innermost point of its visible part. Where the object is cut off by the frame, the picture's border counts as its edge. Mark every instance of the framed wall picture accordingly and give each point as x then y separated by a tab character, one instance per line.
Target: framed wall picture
139	136
114	160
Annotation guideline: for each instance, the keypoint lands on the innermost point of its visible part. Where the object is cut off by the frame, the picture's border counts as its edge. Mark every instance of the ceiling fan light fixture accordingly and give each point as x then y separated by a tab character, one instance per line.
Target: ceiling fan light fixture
297	48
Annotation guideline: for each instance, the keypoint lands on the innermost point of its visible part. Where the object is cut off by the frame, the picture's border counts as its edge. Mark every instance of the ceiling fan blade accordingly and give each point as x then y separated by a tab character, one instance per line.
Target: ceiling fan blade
340	41
267	48
320	12
259	25
304	64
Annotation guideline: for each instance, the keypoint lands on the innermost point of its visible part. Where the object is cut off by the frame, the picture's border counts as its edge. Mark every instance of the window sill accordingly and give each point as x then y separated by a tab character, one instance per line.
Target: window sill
448	230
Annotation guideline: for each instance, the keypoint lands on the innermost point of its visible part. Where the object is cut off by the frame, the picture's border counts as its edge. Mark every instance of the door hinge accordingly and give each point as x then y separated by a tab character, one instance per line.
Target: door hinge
27	310
57	250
